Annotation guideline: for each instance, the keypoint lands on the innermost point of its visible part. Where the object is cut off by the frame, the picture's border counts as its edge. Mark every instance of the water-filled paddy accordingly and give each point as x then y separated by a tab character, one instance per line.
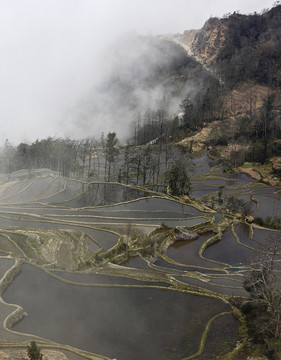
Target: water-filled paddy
122	323
223	325
243	233
264	237
5	265
132	323
32	191
137	263
269	205
187	252
228	251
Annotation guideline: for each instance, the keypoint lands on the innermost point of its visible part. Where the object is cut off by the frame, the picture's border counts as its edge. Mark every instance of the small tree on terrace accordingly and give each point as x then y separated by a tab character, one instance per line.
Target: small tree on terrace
34	352
111	152
178	179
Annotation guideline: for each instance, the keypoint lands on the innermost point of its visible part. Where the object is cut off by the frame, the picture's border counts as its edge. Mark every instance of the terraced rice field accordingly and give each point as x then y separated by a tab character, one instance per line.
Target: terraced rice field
100	273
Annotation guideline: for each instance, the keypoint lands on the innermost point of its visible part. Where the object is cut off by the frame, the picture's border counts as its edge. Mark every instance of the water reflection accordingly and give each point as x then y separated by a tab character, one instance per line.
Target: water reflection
133	323
121	323
228	251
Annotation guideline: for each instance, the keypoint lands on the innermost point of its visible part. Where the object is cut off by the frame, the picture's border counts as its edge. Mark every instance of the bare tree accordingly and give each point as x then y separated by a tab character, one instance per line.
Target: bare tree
263	308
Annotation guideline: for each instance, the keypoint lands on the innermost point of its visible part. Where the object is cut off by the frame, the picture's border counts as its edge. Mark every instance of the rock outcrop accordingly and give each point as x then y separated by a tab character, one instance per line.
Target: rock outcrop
276	164
188	37
207	41
182	234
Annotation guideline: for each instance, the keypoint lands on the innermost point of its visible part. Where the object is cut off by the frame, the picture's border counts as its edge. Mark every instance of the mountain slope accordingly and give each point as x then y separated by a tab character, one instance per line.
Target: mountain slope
241	47
244	52
139	73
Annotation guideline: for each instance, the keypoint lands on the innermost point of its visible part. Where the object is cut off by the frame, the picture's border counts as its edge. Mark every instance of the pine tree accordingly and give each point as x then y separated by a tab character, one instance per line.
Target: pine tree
34	352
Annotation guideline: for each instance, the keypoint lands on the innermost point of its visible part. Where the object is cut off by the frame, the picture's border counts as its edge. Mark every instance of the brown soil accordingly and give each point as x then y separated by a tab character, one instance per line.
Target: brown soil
15	354
250	171
246	99
199	138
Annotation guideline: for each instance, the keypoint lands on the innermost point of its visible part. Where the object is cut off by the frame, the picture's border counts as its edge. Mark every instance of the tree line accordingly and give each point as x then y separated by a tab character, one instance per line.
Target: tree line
80	158
103	159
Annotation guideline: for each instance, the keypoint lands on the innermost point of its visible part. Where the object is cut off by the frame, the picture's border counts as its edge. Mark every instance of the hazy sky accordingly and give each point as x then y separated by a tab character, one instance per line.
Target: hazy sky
50	53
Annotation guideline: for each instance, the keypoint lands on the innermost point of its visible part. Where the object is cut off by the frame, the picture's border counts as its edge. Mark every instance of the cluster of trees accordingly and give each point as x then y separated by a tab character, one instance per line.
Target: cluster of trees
80	158
266	129
101	160
253	138
204	106
152	126
142	165
150	158
178	179
155	165
252	49
55	154
272	222
235	205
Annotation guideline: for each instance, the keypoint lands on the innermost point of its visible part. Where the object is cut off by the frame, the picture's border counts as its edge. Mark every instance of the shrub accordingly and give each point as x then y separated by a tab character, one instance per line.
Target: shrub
33	351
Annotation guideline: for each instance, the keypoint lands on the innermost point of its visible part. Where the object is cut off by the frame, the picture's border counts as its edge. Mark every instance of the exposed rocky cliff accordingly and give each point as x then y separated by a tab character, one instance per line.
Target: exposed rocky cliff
188	37
240	118
207	41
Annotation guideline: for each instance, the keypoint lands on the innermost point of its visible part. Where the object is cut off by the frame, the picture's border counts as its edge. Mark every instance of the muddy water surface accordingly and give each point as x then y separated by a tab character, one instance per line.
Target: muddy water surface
122	323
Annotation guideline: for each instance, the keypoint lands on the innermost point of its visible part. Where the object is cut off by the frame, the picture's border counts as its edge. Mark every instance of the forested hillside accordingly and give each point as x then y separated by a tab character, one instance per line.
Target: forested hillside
224	77
139	73
252	49
243	52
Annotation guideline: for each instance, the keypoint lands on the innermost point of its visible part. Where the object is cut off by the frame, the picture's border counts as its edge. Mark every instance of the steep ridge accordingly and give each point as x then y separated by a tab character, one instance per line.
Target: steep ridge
204	44
244	53
209	40
239	47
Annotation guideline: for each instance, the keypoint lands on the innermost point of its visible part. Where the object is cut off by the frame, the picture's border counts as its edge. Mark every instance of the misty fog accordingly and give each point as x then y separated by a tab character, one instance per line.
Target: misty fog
56	56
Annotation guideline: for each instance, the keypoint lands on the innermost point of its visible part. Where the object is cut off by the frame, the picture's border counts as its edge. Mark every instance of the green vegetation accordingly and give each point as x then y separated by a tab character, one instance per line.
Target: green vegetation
252	48
34	352
178	180
247	165
269	222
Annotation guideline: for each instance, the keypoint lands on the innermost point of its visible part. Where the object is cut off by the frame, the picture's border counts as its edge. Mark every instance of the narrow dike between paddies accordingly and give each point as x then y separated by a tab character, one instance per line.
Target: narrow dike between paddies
177	288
